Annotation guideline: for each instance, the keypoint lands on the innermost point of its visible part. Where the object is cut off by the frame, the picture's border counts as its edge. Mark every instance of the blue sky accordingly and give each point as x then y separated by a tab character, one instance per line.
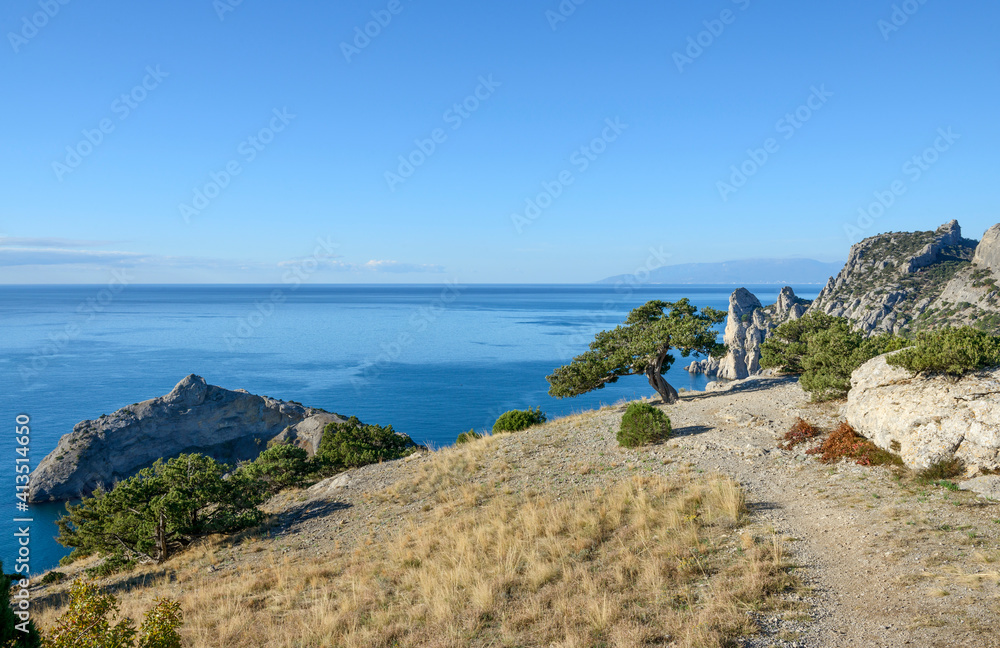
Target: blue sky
622	123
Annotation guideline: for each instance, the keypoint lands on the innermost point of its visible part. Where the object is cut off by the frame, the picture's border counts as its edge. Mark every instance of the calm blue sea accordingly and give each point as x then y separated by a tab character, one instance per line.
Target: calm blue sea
431	360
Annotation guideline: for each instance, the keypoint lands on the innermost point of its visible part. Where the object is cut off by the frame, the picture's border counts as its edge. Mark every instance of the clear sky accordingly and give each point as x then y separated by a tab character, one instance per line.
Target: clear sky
622	122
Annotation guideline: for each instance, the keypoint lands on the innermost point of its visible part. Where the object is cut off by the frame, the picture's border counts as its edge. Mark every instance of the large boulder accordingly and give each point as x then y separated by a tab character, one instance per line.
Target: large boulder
227	425
927	419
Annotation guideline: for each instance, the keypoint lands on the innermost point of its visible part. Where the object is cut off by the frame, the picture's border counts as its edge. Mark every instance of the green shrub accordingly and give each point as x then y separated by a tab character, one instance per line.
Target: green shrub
280	466
53	577
113	564
92	619
942	470
466	437
161	509
352	444
643	424
825	351
952	351
517	420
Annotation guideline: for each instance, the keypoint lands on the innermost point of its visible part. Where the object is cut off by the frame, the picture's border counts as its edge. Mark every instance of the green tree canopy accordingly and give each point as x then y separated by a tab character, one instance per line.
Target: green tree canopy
641	345
161	507
825	350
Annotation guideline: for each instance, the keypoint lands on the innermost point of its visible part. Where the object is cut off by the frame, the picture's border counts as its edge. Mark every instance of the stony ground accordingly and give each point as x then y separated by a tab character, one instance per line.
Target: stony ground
882	560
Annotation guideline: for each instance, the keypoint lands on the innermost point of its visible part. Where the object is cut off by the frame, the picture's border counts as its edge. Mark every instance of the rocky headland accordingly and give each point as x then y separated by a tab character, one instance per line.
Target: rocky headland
899	282
227	425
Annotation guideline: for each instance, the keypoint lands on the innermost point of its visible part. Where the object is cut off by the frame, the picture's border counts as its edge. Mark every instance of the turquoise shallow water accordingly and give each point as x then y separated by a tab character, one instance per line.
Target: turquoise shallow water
432	361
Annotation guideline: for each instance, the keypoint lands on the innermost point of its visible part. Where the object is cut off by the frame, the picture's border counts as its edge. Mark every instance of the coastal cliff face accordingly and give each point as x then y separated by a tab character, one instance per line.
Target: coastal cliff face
900	283
227	425
913	281
748	325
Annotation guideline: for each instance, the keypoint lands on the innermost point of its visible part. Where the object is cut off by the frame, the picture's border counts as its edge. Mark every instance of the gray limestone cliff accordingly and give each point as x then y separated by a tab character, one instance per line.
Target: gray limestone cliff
227	425
905	282
748	325
899	282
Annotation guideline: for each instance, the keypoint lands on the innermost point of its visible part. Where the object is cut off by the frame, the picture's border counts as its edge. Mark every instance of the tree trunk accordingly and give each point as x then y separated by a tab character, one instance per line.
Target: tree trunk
161	538
657	382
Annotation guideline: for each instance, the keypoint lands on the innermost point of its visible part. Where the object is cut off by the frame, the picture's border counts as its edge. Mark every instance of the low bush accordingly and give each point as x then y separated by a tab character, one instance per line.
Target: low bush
53	577
517	420
942	470
111	565
280	466
951	351
92	619
800	432
643	424
825	351
351	444
845	443
466	437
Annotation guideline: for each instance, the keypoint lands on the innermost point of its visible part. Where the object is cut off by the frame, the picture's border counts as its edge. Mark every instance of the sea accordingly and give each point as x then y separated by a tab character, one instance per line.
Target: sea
430	360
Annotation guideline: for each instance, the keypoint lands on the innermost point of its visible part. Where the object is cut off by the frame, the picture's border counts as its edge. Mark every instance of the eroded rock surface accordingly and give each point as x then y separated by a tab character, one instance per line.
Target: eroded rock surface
927	419
227	425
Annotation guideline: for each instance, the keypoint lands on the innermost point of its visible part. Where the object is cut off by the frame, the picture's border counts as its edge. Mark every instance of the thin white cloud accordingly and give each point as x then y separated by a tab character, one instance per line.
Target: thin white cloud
397	267
21	256
48	242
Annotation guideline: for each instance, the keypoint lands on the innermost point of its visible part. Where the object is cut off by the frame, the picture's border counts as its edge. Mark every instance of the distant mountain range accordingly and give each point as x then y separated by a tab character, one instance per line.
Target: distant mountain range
744	272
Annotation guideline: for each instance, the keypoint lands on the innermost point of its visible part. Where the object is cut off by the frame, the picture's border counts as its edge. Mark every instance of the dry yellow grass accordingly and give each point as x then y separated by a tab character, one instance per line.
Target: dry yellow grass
644	561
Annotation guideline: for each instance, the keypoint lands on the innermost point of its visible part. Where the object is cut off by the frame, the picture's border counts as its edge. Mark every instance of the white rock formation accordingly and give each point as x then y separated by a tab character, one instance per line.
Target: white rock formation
926	419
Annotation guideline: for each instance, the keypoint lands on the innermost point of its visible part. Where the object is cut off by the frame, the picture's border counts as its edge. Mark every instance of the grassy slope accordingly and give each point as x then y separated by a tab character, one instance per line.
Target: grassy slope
479	558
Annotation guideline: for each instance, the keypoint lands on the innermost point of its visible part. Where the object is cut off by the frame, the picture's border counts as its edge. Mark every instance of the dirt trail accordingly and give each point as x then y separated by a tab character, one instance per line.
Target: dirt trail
889	563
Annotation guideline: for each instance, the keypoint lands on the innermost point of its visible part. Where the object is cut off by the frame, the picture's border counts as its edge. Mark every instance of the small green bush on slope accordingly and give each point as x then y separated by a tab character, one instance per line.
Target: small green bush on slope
643	424
951	351
468	437
92	619
280	466
517	420
352	444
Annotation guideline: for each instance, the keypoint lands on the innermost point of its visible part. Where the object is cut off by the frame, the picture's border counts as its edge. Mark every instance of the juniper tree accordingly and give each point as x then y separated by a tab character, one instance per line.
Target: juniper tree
641	346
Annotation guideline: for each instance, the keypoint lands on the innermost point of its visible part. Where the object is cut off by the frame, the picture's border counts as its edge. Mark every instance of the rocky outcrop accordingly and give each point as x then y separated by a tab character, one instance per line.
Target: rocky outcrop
229	426
926	419
748	325
708	366
903	282
987	254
